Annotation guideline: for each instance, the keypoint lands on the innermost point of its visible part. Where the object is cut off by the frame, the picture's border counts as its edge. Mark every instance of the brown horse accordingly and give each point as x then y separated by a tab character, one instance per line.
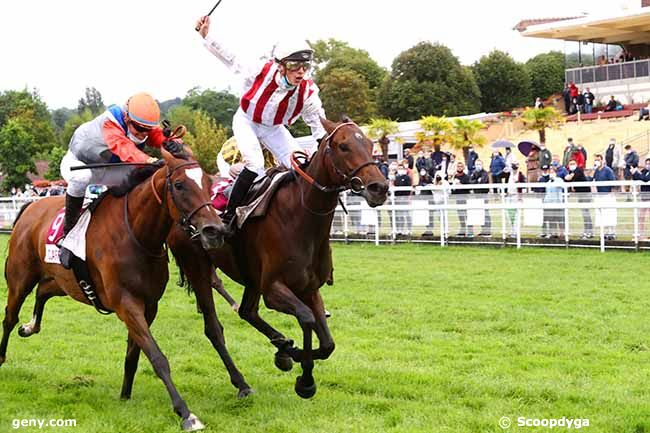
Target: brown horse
125	256
285	256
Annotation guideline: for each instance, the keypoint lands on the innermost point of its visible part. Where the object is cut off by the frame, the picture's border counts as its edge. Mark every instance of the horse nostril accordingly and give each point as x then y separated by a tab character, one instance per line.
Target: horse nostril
379	188
211	231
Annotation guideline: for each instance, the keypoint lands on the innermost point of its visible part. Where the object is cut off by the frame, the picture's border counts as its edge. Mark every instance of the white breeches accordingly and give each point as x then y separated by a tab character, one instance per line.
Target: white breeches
79	180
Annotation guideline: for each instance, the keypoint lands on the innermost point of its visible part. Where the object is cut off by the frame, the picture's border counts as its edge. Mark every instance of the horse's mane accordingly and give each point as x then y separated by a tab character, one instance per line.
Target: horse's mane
135	178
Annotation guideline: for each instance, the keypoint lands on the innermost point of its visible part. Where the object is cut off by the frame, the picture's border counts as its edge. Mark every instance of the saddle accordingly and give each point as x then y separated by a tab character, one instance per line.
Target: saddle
261	193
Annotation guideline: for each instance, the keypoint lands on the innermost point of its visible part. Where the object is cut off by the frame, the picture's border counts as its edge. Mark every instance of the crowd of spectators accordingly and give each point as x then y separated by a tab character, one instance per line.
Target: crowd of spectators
576	100
541	166
36	191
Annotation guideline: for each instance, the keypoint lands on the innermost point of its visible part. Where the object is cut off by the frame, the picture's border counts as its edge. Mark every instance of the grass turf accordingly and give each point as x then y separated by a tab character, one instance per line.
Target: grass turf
428	340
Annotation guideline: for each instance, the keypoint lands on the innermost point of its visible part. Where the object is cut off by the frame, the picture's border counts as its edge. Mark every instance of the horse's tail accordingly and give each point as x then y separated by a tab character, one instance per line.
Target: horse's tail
20	212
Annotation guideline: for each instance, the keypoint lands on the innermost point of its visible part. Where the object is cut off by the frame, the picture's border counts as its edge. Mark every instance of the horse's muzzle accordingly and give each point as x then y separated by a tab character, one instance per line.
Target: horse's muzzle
376	193
212	236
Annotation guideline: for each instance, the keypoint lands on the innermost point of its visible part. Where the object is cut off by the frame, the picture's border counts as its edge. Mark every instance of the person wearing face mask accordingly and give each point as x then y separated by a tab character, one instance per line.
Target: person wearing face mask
461	178
583	193
602	173
117	135
481	177
275	95
472	157
553	218
643	176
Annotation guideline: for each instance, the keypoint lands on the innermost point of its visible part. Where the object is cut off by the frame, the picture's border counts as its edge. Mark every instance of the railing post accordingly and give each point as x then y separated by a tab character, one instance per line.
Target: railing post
518	224
566	214
635	194
393	222
445	196
502	191
602	227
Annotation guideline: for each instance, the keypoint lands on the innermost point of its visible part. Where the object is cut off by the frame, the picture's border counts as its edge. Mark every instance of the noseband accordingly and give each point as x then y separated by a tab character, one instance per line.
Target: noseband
186	220
348	178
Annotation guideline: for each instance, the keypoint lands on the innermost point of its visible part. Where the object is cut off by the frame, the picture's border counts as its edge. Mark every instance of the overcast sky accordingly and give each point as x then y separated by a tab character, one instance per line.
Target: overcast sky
122	47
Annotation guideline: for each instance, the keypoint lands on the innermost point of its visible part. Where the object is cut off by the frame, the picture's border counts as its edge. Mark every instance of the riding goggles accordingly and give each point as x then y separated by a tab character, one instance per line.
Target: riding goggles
294	65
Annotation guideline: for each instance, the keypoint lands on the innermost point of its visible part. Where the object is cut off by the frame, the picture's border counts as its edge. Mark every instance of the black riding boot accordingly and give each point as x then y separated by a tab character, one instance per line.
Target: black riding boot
72	211
237	195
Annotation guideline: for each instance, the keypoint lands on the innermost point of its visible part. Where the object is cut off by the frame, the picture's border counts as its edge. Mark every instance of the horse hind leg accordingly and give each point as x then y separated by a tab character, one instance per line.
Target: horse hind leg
19	285
45	290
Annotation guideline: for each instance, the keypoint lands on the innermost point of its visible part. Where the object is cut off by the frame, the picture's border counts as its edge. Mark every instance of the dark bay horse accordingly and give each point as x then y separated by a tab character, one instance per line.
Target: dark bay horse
284	257
125	256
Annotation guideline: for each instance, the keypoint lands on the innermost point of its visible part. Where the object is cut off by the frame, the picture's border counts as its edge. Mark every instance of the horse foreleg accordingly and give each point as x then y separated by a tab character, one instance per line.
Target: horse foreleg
326	342
131	311
133	355
217	285
282	299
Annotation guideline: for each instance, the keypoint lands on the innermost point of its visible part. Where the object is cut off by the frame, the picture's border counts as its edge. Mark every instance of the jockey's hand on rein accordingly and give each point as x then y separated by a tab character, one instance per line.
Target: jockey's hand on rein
173	146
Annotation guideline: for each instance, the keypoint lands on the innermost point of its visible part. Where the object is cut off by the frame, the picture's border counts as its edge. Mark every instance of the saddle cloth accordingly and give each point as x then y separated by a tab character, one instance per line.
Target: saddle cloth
75	241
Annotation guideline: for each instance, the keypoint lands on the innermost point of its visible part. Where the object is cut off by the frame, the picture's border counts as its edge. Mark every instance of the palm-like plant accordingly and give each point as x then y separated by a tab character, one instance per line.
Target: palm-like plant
466	133
434	129
380	129
538	119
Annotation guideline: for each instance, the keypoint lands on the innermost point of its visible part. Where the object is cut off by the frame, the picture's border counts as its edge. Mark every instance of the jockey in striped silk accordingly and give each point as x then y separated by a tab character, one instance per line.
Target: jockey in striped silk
275	95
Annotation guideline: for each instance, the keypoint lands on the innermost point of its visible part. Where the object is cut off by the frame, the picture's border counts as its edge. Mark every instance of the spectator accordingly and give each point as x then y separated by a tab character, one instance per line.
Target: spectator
644	113
497	167
429	165
425	194
532	165
612	104
403	217
545	157
451	169
573	89
589	100
583	193
461	178
631	160
544	178
576	152
425	179
480	176
568	151
602	173
443	168
472	156
580	103
510	160
566	95
582	161
643	176
554	218
613	158
560	170
420	162
437	157
539	103
409	158
381	164
514	195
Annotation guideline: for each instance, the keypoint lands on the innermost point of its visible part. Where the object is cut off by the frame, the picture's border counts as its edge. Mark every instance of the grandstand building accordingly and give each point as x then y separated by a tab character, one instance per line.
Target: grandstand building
626	77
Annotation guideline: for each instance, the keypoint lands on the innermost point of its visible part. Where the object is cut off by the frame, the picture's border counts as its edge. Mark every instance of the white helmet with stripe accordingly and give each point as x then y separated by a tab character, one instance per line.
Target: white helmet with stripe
297	51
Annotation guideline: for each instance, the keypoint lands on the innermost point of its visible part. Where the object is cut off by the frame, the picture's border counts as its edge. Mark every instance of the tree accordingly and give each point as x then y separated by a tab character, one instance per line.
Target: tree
91	101
16	153
33	114
54	158
380	129
539	119
182	115
546	73
220	106
334	54
466	133
346	92
435	130
60	116
206	140
428	79
504	83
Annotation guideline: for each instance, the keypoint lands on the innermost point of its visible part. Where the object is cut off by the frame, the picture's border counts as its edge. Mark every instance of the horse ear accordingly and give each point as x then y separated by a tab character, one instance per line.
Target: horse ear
328	125
168	157
345	118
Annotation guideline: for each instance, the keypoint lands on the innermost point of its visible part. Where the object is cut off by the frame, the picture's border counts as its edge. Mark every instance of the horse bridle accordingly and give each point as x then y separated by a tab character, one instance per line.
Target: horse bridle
348	179
186	220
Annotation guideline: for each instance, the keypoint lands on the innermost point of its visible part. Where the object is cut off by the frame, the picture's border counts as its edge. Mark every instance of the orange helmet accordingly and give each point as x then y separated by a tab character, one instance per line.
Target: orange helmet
143	109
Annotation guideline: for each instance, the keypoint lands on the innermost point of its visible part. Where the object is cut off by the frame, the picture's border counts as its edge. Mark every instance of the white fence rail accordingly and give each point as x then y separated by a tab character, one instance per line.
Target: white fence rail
443	215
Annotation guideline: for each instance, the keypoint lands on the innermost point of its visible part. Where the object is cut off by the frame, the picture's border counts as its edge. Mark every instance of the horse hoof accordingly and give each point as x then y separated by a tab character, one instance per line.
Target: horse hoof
283	361
243	393
192	423
305	391
25	331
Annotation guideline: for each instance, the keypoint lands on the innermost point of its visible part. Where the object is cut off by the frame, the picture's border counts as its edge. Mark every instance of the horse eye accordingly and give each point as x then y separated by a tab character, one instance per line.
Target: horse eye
178	185
344	147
